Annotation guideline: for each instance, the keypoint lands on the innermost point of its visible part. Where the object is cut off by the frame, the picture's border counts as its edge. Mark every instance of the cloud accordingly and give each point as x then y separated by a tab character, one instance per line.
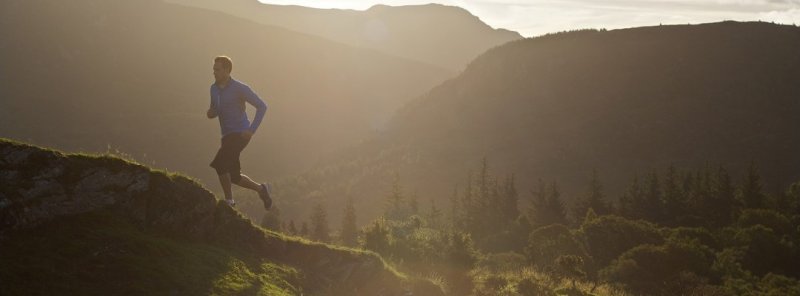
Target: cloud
790	16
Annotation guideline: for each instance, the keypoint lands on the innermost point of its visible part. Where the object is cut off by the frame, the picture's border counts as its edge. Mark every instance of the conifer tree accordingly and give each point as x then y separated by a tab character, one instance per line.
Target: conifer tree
455	210
631	200
434	215
319	224
510	203
304	229
674	205
750	192
555	207
349	234
537	213
651	205
594	199
394	209
292	228
413	204
723	199
272	219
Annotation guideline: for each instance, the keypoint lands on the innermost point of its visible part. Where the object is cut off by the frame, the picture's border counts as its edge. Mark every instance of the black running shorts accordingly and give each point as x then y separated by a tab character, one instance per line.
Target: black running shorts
227	158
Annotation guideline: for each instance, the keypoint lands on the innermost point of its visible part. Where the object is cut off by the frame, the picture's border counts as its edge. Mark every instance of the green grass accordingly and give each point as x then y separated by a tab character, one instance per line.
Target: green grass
100	254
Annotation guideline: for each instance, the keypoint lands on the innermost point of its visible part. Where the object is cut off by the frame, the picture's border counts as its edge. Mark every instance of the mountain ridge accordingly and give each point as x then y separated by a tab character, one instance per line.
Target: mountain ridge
624	102
442	35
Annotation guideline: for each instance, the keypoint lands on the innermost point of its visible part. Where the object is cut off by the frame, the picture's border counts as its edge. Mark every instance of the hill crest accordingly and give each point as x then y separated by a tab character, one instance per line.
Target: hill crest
40	186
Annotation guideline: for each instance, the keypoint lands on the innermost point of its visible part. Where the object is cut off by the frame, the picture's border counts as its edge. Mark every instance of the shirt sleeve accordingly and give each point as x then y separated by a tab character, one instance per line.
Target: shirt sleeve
261	107
214	102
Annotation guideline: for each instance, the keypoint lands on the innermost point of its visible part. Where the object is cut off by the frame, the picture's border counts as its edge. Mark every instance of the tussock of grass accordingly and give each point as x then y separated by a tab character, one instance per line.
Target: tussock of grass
99	253
508	283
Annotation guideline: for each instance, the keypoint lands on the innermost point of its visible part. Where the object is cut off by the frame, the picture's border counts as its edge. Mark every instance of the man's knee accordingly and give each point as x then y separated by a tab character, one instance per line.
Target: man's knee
235	178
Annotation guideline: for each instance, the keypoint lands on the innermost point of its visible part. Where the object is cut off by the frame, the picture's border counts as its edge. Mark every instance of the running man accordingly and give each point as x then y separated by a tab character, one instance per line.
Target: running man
228	97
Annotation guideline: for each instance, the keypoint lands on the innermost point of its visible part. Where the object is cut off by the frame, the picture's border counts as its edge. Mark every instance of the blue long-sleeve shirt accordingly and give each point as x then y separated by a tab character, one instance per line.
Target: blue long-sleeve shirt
228	104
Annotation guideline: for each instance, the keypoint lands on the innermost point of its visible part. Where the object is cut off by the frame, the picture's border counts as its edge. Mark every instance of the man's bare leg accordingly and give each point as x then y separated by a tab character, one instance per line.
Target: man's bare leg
248	183
225	181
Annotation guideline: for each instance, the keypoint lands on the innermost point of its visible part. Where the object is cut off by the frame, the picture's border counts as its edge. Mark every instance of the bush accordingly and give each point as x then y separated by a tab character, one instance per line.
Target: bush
503	262
764	251
527	287
768	218
546	243
608	237
670	269
696	234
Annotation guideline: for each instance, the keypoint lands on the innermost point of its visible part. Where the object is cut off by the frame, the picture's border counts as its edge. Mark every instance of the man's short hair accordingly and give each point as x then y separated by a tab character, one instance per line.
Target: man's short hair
225	61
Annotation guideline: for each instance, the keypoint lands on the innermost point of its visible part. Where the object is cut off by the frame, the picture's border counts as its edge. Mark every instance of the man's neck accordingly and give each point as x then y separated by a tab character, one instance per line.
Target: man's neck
223	83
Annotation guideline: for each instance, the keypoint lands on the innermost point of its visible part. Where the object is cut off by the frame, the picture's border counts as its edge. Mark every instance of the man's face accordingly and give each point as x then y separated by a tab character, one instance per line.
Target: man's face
220	73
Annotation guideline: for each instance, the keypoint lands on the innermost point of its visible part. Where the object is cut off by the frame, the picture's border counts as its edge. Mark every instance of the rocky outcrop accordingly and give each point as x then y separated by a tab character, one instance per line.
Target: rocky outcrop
38	185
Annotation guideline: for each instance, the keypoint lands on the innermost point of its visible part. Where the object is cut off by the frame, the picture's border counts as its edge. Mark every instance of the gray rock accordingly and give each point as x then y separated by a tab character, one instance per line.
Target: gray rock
101	179
9	176
42	188
4	202
17	156
140	183
50	173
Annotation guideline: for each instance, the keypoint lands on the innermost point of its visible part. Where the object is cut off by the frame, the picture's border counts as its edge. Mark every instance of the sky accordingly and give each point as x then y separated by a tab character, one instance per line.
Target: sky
537	17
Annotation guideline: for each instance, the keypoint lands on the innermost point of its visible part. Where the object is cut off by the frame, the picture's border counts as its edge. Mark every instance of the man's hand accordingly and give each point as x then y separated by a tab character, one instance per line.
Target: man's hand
247	134
211	113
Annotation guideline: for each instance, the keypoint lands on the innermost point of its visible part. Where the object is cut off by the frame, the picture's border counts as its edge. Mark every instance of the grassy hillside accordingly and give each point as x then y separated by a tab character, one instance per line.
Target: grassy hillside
556	107
88	224
102	253
446	36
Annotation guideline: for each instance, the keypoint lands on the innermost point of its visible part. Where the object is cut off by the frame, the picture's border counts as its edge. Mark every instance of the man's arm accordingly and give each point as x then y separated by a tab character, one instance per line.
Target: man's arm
261	107
212	108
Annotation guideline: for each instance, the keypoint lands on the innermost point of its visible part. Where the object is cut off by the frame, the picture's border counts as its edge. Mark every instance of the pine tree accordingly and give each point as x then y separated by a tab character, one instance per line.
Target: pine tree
651	205
319	224
750	192
723	199
395	207
413	204
510	208
349	236
674	204
631	200
304	230
594	199
554	207
272	219
537	214
434	216
455	211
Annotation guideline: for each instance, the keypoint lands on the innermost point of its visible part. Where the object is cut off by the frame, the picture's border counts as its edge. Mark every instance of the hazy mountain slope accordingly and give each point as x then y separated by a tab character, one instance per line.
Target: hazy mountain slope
621	101
135	75
437	34
77	224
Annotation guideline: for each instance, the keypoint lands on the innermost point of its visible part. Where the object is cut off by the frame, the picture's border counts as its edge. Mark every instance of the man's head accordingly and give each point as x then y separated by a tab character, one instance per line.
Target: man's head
222	68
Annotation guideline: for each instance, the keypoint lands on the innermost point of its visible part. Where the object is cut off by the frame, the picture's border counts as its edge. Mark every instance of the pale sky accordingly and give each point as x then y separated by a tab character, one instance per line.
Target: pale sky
537	17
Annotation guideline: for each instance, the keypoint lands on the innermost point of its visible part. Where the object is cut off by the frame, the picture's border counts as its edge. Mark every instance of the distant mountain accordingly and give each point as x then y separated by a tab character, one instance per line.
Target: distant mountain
135	75
622	102
441	35
88	224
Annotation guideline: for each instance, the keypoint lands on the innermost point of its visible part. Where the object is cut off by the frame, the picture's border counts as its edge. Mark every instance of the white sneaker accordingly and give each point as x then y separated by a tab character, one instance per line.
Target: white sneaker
230	202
